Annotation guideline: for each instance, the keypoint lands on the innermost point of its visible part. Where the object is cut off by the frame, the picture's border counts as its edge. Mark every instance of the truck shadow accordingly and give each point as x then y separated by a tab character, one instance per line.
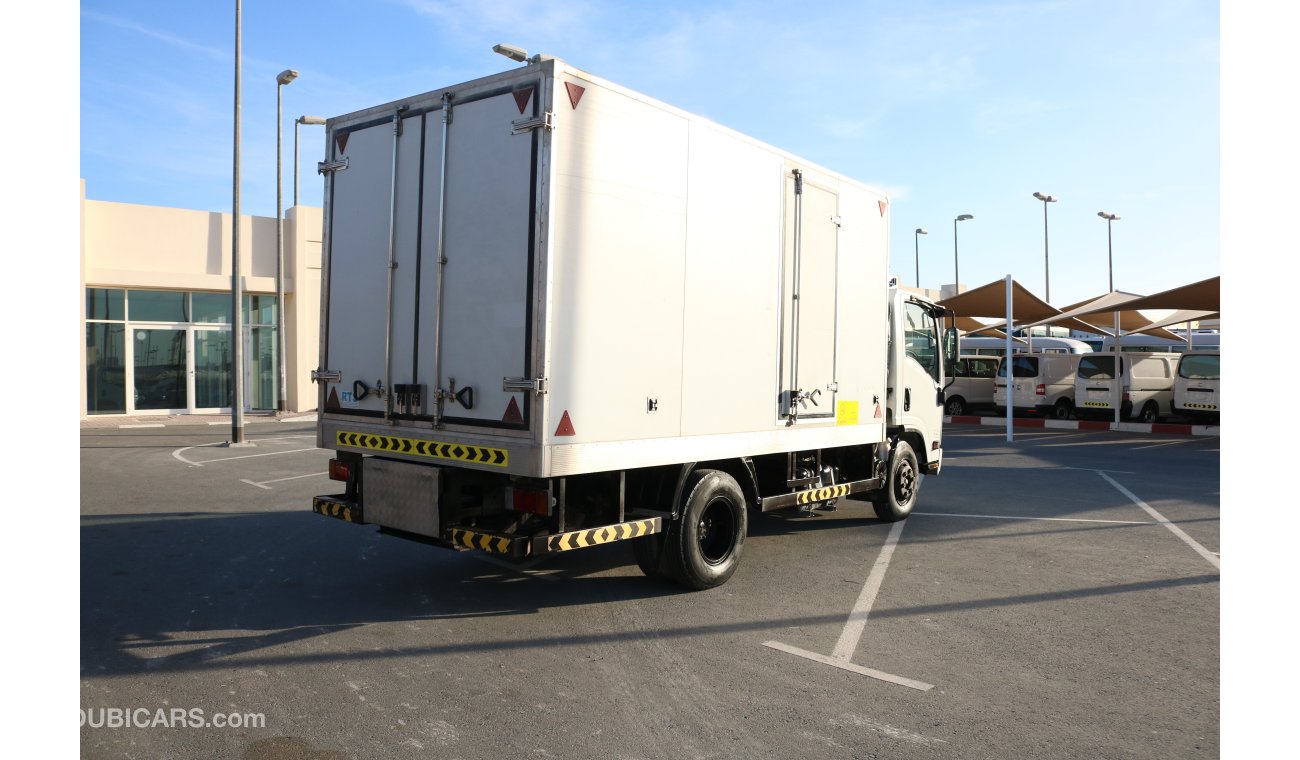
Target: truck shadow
175	591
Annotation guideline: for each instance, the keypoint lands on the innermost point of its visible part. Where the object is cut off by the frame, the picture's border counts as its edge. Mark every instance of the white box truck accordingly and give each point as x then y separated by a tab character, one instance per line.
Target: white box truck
558	313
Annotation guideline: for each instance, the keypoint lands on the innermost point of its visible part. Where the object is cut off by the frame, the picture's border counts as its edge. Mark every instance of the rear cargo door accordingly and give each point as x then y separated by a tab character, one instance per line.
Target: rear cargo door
477	219
809	259
378	187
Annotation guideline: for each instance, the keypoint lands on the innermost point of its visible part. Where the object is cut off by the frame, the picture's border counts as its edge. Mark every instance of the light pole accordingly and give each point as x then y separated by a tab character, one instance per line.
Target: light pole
1047	272
1117	395
236	289
956	272
916	240
318	120
283	78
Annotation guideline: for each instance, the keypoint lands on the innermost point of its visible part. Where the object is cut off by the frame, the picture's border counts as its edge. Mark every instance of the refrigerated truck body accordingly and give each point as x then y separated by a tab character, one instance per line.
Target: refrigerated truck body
558	313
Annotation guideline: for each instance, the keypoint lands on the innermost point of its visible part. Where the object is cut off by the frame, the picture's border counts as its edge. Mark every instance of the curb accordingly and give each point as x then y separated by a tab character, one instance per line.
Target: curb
161	421
1164	428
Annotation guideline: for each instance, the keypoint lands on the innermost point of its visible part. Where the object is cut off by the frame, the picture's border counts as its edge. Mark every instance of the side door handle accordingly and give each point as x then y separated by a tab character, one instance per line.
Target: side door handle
907	399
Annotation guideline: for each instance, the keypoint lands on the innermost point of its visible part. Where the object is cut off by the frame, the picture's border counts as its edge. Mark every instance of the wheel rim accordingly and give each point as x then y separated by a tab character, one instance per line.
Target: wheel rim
954	407
904	483
716	531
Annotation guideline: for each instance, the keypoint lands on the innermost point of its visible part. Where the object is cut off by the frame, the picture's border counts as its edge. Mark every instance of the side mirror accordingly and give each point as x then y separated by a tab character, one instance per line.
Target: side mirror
949	351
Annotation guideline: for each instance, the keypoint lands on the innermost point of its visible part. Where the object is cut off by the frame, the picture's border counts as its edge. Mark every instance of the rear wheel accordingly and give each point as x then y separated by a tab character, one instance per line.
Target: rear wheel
1062	409
902	484
1150	412
955	406
702	547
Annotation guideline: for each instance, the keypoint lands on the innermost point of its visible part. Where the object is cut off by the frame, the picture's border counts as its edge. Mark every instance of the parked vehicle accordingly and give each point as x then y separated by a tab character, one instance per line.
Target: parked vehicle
558	313
972	385
1041	384
1202	340
1146	386
988	346
1196	386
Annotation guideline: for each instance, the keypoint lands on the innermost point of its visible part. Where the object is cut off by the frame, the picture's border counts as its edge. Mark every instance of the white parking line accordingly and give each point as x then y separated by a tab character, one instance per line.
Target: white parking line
1201	550
178	454
1050	519
1166	443
848	642
264	487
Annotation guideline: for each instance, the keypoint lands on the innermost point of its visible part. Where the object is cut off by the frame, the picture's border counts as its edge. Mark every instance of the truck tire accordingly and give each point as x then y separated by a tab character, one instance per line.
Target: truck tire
702	547
902	484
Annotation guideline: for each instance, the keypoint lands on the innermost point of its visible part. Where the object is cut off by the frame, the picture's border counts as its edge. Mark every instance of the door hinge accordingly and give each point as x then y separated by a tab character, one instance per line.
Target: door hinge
523	385
520	126
326	376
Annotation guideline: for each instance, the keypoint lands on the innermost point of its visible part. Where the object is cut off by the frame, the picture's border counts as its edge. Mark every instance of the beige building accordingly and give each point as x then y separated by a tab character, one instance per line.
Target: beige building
156	306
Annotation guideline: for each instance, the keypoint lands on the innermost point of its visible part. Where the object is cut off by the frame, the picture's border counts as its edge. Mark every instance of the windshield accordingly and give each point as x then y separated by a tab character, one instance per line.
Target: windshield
1097	367
1193	367
1021	366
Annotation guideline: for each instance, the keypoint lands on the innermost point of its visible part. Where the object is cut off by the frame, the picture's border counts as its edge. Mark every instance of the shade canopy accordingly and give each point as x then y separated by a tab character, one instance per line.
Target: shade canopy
1199	296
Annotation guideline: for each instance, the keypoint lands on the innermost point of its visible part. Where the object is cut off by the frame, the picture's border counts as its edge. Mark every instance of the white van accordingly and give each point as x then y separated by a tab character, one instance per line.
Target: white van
1042	384
1196	386
1148	385
972	385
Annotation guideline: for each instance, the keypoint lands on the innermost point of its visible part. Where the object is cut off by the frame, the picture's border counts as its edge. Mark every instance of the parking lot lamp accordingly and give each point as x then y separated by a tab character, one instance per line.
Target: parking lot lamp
1118	394
917	244
956	272
283	78
1047	276
318	120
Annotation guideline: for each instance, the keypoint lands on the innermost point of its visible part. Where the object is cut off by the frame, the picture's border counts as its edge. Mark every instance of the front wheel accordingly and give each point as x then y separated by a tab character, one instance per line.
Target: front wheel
1150	412
1062	409
702	547
902	484
955	406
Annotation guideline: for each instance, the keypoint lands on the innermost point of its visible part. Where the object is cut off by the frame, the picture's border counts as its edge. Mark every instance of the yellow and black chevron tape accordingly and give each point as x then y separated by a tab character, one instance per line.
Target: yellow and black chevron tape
823	494
487	542
580	539
455	452
1201	406
335	509
1097	403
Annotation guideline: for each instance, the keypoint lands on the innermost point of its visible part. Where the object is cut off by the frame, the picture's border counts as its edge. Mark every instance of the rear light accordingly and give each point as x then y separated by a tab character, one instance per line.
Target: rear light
340	470
532	502
1040	389
1126	396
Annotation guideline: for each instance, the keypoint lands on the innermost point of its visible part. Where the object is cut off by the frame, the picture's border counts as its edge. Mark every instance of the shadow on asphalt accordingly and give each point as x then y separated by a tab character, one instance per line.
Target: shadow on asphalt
205	591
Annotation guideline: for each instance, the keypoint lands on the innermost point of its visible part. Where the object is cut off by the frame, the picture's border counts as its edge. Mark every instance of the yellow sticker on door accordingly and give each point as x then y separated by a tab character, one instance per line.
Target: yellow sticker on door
846	413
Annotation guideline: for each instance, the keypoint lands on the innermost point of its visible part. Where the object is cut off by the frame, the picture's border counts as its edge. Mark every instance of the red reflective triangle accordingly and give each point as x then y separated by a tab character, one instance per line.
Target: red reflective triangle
522	97
566	425
512	414
333	401
877	411
575	93
341	141
882	207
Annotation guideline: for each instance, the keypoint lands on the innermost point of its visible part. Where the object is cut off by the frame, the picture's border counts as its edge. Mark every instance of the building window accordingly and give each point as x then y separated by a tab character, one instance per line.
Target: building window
135	364
212	308
157	306
105	368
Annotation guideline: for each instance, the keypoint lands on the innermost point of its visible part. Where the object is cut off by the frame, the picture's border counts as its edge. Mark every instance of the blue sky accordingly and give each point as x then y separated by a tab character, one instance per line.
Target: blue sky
951	107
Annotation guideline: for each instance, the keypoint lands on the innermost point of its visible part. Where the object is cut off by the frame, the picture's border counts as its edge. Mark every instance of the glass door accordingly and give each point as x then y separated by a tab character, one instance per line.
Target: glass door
211	372
160	370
